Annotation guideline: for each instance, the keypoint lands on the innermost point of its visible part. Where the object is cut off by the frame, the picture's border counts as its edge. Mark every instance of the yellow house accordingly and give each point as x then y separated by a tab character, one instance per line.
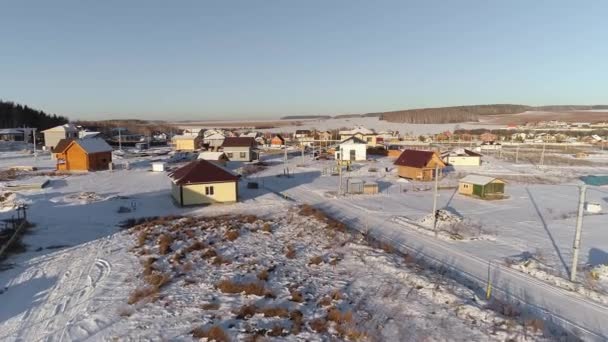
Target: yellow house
202	182
419	165
186	142
362	133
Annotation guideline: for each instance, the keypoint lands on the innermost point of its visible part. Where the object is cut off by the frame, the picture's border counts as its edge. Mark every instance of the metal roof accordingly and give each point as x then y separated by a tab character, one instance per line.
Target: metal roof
477	180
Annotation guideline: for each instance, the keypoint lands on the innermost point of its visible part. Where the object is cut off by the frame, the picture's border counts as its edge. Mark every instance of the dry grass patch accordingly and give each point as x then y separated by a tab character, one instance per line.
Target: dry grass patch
297	319
263	275
209	253
195	246
228	286
291	252
157	279
246	311
296	296
210	306
220	260
267	228
215	333
315	260
319	325
164	244
140	293
232	235
274	312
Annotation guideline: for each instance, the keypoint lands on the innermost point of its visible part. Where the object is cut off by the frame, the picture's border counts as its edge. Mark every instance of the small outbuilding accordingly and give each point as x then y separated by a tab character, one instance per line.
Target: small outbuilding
419	165
83	154
461	157
482	187
158	167
219	158
240	149
277	141
202	182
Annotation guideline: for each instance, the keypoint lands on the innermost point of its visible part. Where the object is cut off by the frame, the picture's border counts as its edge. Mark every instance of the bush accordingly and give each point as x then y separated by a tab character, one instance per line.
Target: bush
267	228
228	286
157	279
210	306
232	235
215	333
164	244
274	312
246	311
291	252
318	324
263	275
142	292
315	260
296	296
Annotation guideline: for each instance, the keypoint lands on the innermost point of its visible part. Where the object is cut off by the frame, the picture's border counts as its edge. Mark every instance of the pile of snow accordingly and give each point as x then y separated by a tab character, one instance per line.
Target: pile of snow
11	200
590	286
85	197
444	218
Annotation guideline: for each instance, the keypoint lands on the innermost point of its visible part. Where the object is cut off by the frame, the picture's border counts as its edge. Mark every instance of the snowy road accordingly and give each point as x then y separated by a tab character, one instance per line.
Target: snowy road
570	310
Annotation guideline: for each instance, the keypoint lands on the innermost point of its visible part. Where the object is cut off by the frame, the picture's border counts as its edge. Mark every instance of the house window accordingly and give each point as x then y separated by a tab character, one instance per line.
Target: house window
209	190
369	139
229	154
243	155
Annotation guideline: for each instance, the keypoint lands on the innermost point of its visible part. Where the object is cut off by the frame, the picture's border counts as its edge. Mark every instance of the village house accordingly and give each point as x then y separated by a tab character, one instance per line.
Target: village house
488	137
352	149
324	135
202	182
277	141
240	149
193	132
214	141
186	142
302	133
367	135
461	157
12	134
82	154
52	136
482	187
219	158
419	165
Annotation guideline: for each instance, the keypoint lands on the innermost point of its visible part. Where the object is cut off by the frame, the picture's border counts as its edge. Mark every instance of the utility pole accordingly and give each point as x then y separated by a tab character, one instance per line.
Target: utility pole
577	234
435	199
517	154
302	155
119	139
340	173
285	167
542	155
35	151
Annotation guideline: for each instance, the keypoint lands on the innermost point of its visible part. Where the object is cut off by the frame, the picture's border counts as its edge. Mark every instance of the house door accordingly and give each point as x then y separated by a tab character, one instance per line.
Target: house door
352	154
477	190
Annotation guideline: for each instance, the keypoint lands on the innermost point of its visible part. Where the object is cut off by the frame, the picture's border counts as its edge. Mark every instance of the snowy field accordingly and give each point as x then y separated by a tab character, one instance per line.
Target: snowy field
368	122
79	270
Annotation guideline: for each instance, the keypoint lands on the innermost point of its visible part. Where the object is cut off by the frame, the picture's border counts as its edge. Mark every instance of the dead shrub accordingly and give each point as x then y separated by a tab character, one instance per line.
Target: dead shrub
209	253
263	275
140	293
296	296
232	235
307	210
334	315
164	243
148	265
297	319
325	301
250	218
246	311
276	331
195	246
409	259
318	324
220	260
291	252
350	332
228	286
267	228
274	312
215	333
142	237
157	279
387	247
210	306
536	324
336	295
315	260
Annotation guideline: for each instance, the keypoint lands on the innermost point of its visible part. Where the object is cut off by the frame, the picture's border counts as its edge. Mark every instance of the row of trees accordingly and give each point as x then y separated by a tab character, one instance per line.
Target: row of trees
15	115
450	114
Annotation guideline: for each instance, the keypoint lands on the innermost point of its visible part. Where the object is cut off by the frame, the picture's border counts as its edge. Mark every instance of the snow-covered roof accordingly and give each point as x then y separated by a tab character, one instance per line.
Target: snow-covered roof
94	145
69	128
477	180
208	155
352	140
11	131
360	129
463	152
215	136
88	135
184	137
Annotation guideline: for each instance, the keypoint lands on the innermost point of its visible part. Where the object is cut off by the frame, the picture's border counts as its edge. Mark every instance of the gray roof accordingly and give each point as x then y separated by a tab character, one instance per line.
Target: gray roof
477	180
94	145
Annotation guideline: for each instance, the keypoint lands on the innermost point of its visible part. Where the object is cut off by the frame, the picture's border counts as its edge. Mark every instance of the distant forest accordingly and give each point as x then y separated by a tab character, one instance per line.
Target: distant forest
305	117
450	114
15	115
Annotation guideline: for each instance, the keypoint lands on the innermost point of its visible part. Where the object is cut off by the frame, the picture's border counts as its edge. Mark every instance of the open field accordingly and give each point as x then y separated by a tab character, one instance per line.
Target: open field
80	269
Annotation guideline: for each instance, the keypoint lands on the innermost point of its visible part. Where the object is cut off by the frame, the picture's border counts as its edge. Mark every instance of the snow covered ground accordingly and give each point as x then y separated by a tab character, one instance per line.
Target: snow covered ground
77	274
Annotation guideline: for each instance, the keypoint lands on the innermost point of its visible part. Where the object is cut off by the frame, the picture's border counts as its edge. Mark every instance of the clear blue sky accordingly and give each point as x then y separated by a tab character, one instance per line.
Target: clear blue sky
262	59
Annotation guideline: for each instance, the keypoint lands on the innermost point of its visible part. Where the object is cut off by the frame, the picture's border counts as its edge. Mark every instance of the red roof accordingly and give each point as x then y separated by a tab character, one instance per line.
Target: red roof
414	158
201	171
239	142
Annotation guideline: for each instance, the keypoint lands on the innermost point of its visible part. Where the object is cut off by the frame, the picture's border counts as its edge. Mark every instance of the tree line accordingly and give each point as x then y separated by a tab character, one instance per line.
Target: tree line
14	115
450	114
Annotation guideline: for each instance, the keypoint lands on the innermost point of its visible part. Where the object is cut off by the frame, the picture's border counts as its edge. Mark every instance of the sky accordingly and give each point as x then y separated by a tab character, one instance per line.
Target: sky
209	60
